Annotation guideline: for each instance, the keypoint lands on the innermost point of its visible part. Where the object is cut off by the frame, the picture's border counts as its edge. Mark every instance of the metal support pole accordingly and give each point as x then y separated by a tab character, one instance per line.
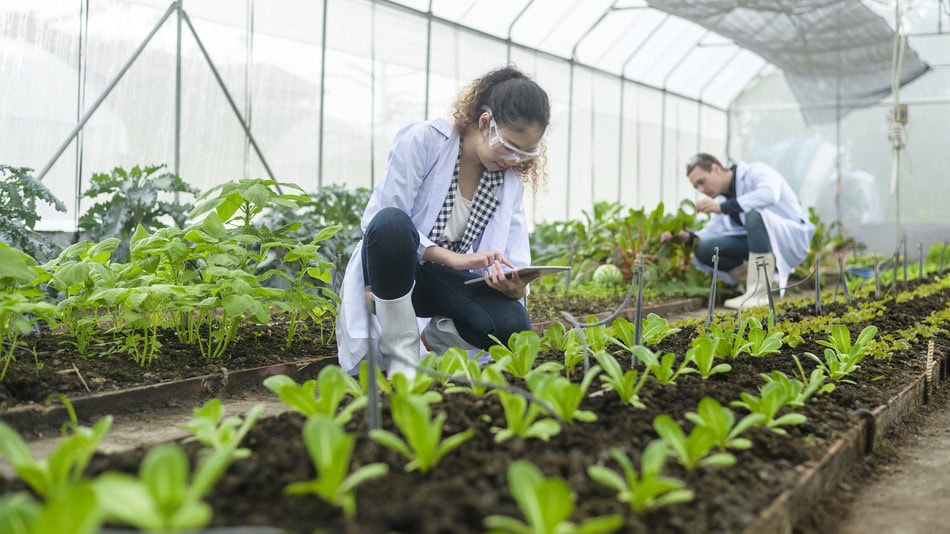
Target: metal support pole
817	284
227	95
920	254
638	313
178	95
712	288
323	92
92	109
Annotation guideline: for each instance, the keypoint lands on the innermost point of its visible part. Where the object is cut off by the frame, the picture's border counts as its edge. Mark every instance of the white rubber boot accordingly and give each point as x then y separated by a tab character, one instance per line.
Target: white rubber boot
760	298
441	335
399	339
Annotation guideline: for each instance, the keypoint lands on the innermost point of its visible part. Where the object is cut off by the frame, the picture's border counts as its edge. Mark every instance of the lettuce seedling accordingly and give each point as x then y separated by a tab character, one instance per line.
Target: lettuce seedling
556	338
814	383
729	344
424	446
842	357
522	418
773	397
523	348
52	478
162	497
694	450
547	505
647	491
721	423
655	329
763	343
472	373
74	511
331	450
210	428
703	355
663	368
563	395
627	383
417	386
322	396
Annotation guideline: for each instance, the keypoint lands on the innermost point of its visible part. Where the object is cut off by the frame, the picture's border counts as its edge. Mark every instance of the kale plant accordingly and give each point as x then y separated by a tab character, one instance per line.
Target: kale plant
19	192
133	201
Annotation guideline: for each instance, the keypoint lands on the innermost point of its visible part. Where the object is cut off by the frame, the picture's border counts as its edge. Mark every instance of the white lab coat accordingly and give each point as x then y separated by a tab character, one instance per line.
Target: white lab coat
418	176
760	187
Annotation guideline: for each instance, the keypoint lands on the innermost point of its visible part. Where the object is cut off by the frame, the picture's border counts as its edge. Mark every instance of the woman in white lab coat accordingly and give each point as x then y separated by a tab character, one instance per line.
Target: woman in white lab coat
449	209
753	213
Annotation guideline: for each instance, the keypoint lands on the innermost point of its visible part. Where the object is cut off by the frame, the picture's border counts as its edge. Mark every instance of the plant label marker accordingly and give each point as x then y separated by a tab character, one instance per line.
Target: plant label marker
929	372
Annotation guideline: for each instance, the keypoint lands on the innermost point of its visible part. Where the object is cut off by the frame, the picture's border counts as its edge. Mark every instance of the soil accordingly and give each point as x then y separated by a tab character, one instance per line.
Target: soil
471	482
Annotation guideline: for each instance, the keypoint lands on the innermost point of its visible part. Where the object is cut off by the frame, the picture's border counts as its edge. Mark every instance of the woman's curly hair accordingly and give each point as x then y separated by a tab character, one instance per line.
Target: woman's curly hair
516	102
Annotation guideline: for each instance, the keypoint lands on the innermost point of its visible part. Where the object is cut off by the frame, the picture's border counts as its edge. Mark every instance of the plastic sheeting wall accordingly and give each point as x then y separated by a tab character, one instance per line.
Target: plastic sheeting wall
609	139
768	126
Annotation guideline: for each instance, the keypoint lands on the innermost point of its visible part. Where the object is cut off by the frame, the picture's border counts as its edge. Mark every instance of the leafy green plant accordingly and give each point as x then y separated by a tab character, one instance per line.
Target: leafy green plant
654	329
134	199
522	349
703	356
424	446
331	451
729	344
627	384
522	418
302	298
563	395
773	396
547	505
323	396
51	478
240	202
694	450
457	363
813	383
75	511
557	338
663	368
213	430
162	497
647	491
842	357
19	193
762	342
721	423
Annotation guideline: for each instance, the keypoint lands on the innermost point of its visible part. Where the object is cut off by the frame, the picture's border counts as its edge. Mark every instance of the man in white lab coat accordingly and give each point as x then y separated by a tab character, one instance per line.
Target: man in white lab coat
753	213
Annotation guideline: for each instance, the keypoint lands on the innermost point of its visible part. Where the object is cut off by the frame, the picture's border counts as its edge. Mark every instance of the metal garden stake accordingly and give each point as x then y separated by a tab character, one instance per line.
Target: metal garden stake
768	286
920	254
712	288
817	283
638	315
844	281
372	391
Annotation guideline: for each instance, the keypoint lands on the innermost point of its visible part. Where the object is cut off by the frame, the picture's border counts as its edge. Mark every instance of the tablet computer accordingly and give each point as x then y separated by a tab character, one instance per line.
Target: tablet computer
525	271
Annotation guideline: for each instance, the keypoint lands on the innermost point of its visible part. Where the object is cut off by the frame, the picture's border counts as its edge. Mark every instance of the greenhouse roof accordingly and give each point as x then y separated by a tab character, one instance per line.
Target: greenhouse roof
830	50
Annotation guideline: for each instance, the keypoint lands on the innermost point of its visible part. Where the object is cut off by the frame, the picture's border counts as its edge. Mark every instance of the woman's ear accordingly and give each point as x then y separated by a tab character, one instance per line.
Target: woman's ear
484	119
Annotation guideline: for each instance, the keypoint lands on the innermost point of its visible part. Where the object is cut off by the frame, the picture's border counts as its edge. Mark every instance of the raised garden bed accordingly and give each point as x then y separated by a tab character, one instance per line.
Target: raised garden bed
768	489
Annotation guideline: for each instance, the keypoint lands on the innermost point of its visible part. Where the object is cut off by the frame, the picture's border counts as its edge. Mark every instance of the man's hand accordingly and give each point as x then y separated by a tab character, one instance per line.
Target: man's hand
682	235
708	205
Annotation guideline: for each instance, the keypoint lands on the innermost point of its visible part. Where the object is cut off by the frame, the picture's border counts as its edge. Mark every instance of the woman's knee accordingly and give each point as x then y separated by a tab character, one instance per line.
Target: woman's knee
500	324
390	224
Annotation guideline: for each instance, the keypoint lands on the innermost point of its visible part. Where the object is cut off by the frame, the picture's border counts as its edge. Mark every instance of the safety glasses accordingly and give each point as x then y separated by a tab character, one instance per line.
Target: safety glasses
504	149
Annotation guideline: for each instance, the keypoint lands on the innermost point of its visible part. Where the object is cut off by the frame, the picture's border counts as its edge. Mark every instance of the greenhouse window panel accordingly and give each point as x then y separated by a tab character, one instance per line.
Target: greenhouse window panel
556	26
493	17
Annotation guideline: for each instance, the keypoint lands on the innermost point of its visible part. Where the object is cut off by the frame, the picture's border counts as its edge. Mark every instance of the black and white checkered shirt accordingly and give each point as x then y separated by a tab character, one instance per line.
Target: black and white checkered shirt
483	208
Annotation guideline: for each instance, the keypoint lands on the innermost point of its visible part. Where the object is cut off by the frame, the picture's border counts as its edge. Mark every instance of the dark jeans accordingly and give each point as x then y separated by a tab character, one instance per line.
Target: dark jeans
390	267
734	250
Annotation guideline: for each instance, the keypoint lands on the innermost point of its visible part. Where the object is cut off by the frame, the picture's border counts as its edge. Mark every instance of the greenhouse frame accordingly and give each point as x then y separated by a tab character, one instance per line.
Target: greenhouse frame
636	90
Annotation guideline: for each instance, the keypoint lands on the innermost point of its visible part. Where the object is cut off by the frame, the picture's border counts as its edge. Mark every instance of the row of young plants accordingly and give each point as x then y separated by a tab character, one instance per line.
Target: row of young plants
201	281
330	401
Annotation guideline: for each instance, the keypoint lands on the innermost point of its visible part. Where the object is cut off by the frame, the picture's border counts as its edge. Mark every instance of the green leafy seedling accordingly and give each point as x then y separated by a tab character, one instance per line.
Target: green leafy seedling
647	491
323	396
627	384
331	450
721	423
522	418
547	505
694	450
423	446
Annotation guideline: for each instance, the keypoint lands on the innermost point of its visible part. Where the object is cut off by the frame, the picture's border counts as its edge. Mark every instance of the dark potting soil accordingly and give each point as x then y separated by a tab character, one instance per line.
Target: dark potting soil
471	482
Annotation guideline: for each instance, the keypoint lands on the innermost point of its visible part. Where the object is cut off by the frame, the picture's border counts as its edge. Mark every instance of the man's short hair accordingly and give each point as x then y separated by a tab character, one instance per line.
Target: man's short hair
702	160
